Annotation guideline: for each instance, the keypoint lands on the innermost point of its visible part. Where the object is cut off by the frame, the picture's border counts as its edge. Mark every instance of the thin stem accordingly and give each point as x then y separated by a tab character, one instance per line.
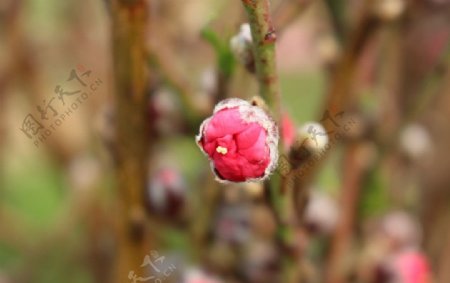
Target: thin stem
264	37
339	95
354	171
430	86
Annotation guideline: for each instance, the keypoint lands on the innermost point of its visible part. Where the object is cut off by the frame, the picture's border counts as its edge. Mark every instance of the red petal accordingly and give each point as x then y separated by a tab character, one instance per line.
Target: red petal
259	151
225	122
249	136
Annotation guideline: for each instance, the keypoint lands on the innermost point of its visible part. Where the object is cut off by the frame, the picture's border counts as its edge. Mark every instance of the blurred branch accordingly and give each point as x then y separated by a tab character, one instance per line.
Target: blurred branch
225	62
339	97
336	11
355	169
443	272
339	92
202	217
131	80
288	11
162	59
430	85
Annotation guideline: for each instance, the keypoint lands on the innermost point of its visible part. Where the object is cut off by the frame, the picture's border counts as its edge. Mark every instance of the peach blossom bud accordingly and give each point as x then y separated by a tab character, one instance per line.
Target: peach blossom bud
313	135
415	141
241	45
241	141
411	267
322	213
167	192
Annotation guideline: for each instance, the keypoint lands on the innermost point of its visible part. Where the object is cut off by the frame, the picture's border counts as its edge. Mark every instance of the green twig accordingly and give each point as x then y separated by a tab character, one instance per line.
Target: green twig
336	11
264	38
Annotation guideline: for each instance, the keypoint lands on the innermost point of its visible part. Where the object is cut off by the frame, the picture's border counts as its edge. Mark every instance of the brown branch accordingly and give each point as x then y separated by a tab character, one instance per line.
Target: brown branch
288	11
354	171
443	272
163	60
131	82
339	92
339	97
202	218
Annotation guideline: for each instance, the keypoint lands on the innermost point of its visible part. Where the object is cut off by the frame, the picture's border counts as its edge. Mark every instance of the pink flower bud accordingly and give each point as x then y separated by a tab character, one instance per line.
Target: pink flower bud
241	141
411	267
288	130
199	276
166	192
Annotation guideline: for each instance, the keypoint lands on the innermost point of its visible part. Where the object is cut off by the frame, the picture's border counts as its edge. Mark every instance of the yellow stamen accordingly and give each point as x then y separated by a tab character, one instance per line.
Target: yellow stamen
221	149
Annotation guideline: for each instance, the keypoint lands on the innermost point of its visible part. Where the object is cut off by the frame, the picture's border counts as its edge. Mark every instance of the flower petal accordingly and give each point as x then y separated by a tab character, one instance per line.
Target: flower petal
224	122
241	141
258	151
249	136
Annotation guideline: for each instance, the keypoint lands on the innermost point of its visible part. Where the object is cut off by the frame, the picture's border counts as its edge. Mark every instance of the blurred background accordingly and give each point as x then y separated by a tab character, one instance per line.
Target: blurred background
101	179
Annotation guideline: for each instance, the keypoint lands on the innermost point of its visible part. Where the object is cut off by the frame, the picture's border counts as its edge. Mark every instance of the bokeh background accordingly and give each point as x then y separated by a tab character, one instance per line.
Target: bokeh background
120	177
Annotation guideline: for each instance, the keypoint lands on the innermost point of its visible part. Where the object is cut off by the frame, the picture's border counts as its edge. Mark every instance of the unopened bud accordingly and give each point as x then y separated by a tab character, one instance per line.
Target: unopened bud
241	45
401	230
322	213
240	140
313	136
415	141
167	192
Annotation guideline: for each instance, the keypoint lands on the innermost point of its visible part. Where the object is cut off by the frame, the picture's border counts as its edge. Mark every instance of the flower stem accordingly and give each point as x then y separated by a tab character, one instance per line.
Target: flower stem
264	37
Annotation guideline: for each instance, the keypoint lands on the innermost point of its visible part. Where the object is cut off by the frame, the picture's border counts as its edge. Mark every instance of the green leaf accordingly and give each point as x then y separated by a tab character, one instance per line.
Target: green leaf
225	58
